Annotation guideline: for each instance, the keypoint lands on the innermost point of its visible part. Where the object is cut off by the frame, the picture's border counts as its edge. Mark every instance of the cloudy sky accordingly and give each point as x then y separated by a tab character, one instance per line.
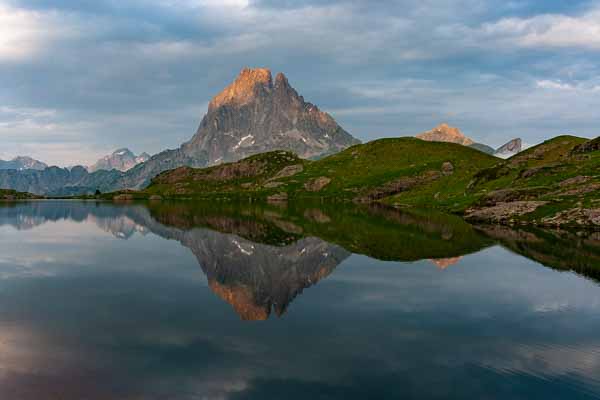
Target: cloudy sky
81	78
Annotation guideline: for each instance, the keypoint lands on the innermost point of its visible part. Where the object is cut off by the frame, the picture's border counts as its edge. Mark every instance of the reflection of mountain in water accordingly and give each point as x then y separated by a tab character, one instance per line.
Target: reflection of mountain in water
259	258
443	263
28	215
254	278
122	227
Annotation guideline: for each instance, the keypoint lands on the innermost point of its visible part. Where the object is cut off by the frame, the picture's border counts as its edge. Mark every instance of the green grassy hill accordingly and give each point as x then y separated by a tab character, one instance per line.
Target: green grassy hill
554	183
11	195
362	173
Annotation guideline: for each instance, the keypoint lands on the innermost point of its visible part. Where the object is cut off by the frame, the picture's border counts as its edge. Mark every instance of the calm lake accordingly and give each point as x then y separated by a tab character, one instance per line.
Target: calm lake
186	301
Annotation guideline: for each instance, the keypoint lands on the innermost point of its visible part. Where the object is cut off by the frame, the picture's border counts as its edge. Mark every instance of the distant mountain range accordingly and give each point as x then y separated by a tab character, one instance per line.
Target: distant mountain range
121	160
25	174
56	181
252	115
22	163
448	134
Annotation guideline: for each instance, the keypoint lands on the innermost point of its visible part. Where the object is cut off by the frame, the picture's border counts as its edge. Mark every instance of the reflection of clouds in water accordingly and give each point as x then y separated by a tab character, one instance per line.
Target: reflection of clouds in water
24	266
37	362
579	363
551	307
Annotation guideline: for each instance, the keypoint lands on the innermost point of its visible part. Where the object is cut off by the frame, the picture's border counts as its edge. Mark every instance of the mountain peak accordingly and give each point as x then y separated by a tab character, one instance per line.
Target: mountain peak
509	149
121	159
254	115
122	152
281	79
245	88
446	133
22	163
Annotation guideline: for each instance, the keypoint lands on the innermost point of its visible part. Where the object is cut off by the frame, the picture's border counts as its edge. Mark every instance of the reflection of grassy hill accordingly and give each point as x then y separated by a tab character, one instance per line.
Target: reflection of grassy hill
368	172
253	222
378	232
558	249
390	234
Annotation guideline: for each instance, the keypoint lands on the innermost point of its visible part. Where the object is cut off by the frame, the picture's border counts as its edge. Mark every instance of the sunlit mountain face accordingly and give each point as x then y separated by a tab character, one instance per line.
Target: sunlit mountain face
182	300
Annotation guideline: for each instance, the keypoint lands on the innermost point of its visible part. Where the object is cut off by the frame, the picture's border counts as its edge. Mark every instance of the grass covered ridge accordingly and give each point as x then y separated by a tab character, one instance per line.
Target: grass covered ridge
559	178
554	183
11	195
371	171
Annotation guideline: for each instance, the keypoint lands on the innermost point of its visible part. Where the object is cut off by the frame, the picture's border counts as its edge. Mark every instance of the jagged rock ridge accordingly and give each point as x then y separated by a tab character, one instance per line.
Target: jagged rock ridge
507	150
22	163
121	160
55	181
256	114
446	133
511	148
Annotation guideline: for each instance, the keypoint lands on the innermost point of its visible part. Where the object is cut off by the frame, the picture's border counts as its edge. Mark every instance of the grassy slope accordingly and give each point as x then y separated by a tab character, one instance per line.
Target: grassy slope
399	172
539	173
353	172
361	168
244	178
6	194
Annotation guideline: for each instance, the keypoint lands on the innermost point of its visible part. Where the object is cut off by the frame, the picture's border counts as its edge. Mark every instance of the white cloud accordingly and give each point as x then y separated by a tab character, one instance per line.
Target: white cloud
206	3
43	134
334	30
23	33
549	31
555	85
582	87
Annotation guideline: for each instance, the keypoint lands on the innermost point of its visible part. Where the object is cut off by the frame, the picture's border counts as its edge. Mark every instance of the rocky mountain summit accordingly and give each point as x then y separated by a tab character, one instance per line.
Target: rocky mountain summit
511	148
446	133
22	163
121	160
253	115
256	114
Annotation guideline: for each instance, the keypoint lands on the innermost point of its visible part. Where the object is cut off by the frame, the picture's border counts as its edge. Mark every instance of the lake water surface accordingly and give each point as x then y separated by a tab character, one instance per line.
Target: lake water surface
179	301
